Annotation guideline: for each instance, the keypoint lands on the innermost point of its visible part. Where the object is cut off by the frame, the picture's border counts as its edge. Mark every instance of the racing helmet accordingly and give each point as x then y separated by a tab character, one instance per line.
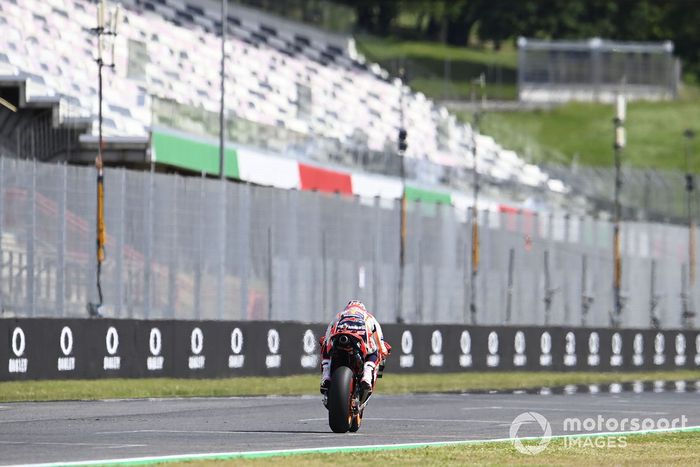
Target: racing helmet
355	305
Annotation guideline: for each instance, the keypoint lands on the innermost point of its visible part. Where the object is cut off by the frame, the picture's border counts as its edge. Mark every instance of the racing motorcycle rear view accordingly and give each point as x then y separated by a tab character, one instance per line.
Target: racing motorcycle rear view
348	395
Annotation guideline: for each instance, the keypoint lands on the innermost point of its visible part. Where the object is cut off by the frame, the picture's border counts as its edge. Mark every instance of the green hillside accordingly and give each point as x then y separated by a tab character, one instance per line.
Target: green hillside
428	64
583	132
574	132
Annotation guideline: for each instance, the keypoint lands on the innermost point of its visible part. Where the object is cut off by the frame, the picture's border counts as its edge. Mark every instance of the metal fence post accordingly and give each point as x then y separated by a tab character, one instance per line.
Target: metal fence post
418	274
30	298
270	273
324	269
466	266
376	273
509	291
174	257
61	267
244	219
291	251
586	299
148	267
548	290
564	257
474	263
200	253
222	248
120	244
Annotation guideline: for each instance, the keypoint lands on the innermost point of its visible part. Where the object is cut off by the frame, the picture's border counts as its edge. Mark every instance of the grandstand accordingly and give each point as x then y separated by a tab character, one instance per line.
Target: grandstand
305	113
289	79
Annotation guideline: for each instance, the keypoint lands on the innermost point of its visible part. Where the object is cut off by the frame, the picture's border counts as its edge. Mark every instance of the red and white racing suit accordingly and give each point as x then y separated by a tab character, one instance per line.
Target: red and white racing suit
377	348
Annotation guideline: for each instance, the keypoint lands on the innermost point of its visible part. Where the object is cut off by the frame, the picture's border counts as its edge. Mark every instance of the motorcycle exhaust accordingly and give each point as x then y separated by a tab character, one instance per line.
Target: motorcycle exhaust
343	340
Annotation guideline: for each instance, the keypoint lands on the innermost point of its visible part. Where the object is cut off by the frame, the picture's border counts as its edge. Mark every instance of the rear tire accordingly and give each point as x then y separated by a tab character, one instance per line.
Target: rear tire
339	412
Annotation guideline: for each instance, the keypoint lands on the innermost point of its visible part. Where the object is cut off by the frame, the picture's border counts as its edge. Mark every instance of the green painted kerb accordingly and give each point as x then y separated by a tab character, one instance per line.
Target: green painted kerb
425	196
348	449
188	153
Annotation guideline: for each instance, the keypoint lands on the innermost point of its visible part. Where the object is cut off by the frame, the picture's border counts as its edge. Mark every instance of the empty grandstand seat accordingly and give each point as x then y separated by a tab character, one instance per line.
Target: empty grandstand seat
268	60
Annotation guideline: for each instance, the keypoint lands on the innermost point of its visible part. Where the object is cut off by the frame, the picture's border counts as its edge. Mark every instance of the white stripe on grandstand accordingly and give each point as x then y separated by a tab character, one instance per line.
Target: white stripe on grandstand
263	169
375	185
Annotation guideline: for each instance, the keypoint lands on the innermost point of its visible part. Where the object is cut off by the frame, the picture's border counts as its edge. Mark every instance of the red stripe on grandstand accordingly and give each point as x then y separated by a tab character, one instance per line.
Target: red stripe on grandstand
314	178
508	209
512	221
513	210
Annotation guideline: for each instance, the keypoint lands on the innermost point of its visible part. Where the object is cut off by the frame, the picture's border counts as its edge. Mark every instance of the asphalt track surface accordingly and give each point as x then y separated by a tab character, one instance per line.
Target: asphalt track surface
113	429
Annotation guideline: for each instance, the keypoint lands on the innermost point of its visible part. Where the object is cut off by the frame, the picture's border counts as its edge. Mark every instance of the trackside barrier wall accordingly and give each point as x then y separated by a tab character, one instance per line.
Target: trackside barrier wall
194	248
85	348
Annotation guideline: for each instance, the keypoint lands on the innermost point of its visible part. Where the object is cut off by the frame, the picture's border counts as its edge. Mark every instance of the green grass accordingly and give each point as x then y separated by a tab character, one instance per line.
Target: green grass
386	48
425	66
642	449
583	132
308	384
461	90
578	132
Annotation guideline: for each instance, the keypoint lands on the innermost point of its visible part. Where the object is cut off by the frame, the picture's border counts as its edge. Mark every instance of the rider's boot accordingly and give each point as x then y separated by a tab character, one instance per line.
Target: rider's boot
367	379
325	376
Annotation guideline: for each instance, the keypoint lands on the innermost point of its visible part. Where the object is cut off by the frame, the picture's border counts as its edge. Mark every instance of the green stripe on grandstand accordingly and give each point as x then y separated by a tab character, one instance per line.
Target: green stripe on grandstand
425	196
190	153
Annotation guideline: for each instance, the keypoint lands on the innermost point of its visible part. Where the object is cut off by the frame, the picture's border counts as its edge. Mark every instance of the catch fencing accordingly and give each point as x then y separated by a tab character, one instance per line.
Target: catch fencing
201	249
648	194
596	70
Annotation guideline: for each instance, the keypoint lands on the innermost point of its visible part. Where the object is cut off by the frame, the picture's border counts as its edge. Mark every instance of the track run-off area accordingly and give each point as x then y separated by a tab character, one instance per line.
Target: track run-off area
191	428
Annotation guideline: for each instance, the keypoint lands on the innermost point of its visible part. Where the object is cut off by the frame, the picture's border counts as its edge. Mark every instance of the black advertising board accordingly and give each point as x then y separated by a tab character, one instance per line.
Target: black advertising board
99	348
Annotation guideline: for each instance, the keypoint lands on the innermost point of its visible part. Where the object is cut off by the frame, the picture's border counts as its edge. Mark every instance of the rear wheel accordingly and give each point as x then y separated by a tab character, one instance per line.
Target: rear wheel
339	397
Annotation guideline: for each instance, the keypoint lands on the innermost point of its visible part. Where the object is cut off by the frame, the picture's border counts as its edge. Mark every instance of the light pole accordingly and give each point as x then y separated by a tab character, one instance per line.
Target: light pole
102	31
689	187
619	122
401	151
688	312
222	118
475	197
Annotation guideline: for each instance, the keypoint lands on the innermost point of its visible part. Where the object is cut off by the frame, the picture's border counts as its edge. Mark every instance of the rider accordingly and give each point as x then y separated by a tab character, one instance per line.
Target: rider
356	313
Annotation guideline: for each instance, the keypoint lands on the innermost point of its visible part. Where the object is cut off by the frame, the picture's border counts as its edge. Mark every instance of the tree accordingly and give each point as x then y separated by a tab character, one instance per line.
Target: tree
375	16
456	21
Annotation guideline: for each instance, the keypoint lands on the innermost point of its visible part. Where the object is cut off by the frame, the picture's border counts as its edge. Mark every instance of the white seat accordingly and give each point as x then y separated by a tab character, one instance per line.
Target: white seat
262	81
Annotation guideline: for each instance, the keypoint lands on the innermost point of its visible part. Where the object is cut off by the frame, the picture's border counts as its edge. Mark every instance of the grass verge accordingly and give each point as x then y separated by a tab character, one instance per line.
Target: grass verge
580	132
641	449
376	48
583	132
308	384
443	71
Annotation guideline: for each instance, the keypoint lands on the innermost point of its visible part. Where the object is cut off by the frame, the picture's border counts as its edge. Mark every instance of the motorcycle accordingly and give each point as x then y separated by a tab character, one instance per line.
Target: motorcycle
346	399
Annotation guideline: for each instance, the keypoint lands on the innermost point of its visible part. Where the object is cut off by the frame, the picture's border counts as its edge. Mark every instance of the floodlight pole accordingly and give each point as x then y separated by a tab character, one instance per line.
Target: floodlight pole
475	198
619	122
688	313
101	31
689	187
99	164
222	118
401	151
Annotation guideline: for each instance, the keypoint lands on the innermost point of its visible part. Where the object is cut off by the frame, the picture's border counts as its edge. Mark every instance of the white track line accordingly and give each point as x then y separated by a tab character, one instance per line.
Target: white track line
437	420
93	445
194	432
586	409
